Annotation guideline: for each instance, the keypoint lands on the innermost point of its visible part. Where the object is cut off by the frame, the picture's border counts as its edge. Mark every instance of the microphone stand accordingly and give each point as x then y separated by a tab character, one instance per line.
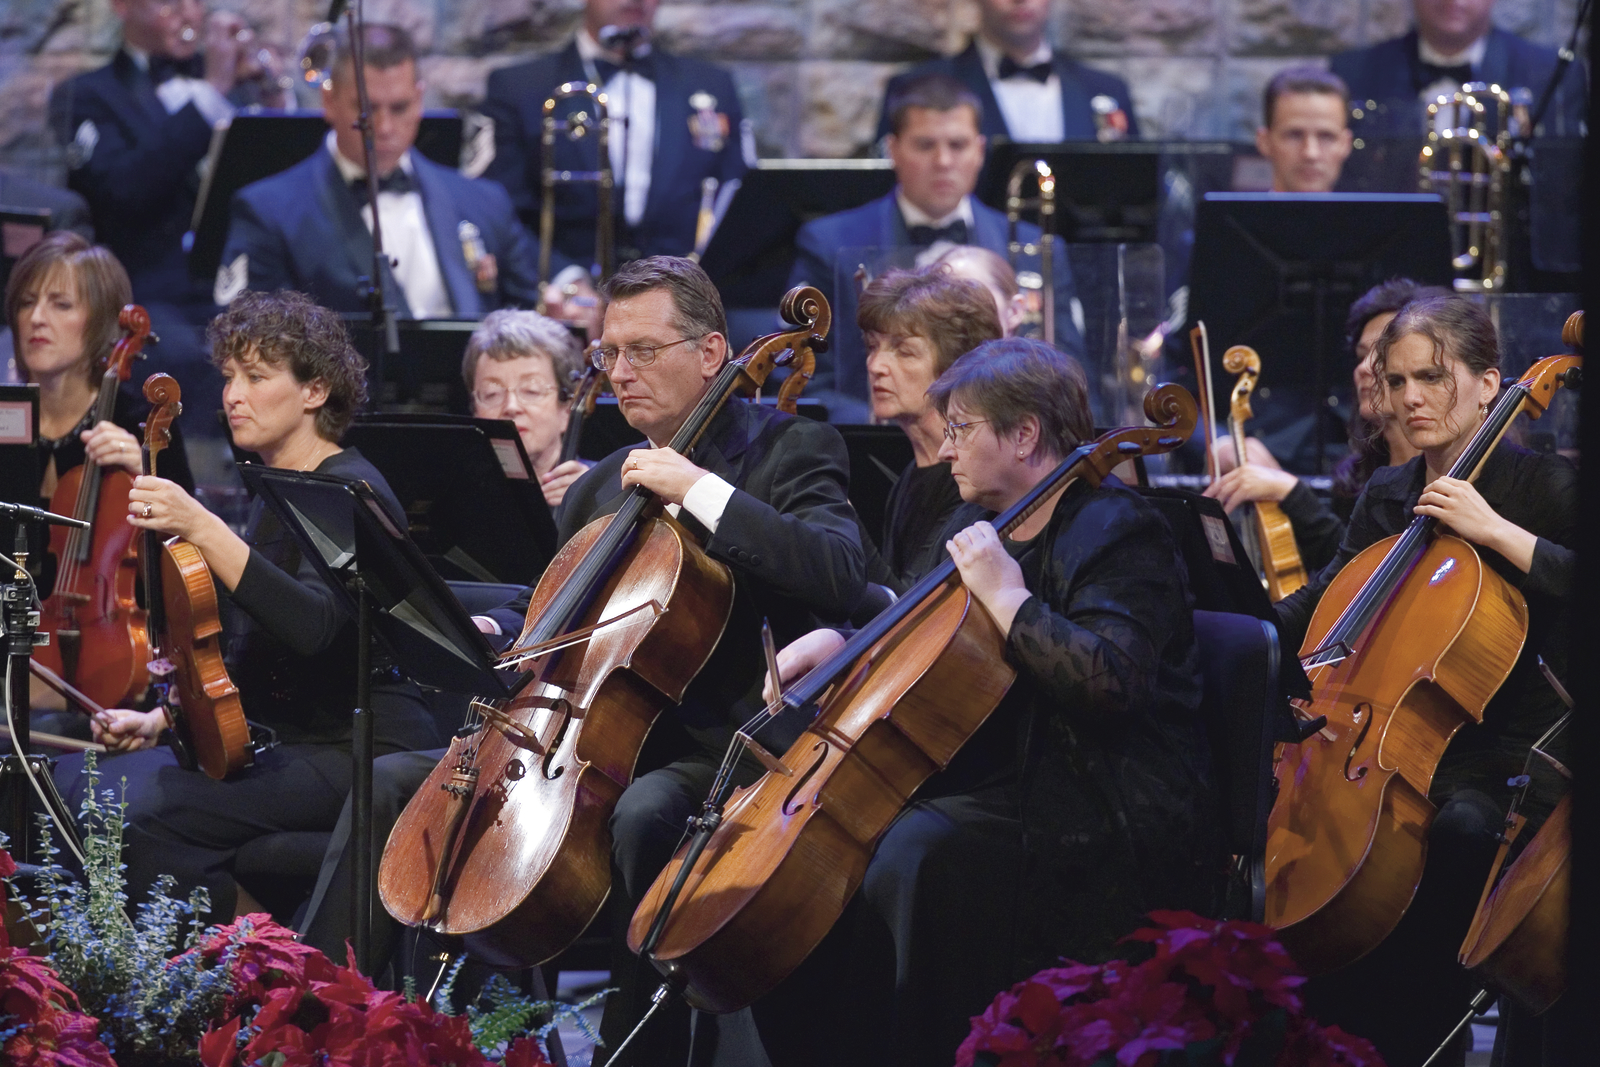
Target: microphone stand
361	733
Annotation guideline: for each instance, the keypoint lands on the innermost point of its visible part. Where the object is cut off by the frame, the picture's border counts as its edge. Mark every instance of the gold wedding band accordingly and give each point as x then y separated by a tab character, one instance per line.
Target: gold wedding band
148	510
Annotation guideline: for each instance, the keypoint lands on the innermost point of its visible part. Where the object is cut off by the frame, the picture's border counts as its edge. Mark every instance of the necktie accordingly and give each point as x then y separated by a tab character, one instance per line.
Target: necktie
163	68
923	236
1039	72
398	181
1431	72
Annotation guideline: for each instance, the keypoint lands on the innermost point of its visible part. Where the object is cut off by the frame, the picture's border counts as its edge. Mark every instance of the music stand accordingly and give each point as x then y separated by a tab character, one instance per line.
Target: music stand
472	500
259	144
752	250
20	229
878	455
19	443
384	579
1278	272
427	376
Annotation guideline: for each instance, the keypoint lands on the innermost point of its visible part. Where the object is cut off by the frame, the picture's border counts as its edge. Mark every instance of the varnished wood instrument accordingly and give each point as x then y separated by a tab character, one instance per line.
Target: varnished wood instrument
1279	555
1408	644
893	705
507	845
99	640
585	391
186	629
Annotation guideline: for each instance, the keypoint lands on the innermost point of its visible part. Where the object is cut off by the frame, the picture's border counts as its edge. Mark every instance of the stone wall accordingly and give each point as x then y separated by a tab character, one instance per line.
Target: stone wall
810	72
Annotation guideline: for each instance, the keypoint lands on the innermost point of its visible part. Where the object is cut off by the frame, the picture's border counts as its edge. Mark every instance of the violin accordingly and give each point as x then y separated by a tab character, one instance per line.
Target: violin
101	642
186	629
893	706
1408	644
507	843
1268	528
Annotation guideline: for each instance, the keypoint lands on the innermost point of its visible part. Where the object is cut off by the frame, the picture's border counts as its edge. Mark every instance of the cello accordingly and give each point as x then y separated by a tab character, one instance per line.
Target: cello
102	644
186	629
1408	644
506	844
1281	567
738	909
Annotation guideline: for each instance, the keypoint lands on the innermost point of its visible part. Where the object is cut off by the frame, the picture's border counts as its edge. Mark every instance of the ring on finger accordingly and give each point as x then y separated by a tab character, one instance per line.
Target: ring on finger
148	510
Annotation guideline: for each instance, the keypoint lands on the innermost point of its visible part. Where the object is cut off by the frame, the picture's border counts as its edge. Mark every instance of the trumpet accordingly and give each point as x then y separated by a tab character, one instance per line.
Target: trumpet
576	126
1467	158
1045	203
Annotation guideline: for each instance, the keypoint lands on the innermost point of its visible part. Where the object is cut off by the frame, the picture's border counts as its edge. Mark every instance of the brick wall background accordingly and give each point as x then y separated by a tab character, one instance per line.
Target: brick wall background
810	72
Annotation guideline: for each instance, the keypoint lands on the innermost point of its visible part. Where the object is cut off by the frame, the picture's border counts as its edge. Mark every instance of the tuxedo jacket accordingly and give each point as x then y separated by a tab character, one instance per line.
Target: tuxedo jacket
1391	74
302	229
788	534
135	165
1079	85
879	224
515	101
68	210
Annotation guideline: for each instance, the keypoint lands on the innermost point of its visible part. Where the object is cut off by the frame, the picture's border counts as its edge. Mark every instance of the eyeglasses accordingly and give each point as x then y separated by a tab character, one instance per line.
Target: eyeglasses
958	432
605	357
494	397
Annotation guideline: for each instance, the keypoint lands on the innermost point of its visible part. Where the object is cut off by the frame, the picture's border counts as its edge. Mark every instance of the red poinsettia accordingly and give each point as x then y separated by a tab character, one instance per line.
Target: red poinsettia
266	956
1206	980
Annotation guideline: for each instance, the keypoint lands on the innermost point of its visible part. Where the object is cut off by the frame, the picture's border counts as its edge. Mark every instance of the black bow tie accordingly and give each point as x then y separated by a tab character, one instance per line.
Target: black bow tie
398	181
644	66
1431	73
163	68
923	236
1039	72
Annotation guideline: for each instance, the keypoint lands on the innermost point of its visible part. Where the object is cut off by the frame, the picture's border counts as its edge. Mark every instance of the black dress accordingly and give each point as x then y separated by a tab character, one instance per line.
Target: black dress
1407	993
291	652
1080	805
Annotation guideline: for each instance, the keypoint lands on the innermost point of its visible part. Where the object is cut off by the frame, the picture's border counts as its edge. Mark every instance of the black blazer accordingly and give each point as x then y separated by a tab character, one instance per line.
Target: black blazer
788	533
135	165
1391	74
302	229
515	101
1079	85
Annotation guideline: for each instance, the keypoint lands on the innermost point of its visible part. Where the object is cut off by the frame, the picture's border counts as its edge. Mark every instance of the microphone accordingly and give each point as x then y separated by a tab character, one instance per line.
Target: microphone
23	513
623	39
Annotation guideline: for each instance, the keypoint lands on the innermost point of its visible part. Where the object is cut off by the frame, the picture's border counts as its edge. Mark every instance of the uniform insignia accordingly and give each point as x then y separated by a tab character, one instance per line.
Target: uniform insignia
83	143
231	279
476	255
708	127
1110	121
477	143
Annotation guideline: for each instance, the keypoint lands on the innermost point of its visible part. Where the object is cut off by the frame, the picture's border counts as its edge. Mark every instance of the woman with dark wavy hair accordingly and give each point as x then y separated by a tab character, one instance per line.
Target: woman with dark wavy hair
292	383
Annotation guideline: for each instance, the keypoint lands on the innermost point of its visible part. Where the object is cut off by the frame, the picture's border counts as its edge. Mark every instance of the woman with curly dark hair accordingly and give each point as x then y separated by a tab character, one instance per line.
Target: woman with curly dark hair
292	383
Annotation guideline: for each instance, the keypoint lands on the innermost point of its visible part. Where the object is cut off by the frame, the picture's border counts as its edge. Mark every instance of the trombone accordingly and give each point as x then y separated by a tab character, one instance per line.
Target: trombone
1468	159
576	126
1045	203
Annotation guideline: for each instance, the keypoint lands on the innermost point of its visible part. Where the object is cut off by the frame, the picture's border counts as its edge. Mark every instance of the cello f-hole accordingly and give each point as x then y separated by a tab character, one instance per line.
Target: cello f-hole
564	710
821	749
1366	724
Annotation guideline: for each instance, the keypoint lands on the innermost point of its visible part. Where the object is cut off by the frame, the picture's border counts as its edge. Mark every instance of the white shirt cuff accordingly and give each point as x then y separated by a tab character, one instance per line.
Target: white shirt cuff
707	499
571	274
485	618
175	93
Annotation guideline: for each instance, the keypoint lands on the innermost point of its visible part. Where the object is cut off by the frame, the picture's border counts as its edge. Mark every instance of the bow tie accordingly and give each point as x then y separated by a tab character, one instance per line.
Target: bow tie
398	181
163	68
923	236
1039	72
1431	73
644	66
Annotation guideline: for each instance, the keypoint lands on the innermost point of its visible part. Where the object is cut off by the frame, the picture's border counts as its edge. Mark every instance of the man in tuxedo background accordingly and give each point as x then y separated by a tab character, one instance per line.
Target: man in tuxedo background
1304	131
1453	42
1029	91
676	125
937	150
455	243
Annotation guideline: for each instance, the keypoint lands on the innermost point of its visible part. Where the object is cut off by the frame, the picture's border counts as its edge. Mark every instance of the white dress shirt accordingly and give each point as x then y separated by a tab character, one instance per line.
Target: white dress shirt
1032	109
1471	56
915	216
407	241
178	92
631	104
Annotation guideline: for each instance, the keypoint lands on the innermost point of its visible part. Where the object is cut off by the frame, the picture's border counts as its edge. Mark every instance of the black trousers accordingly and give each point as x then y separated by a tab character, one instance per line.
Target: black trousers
188	825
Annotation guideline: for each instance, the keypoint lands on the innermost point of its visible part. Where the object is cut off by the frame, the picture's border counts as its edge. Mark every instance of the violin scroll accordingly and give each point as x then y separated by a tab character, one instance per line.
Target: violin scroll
1572	331
135	324
1246	363
166	404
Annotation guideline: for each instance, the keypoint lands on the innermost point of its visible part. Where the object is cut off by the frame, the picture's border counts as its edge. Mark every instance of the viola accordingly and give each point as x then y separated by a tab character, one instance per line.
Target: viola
186	628
101	643
894	705
1268	529
1408	645
506	845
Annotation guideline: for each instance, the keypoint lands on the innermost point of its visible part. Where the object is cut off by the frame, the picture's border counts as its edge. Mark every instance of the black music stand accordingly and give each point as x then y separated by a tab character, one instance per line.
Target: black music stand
259	144
750	254
472	500
19	444
1278	272
427	375
346	533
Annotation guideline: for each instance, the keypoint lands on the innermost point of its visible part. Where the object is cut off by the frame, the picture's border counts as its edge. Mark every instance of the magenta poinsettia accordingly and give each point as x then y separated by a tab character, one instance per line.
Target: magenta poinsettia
1206	980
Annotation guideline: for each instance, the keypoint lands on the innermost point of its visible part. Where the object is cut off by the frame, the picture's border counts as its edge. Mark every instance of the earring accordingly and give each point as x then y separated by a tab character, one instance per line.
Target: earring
1019	455
1483	410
